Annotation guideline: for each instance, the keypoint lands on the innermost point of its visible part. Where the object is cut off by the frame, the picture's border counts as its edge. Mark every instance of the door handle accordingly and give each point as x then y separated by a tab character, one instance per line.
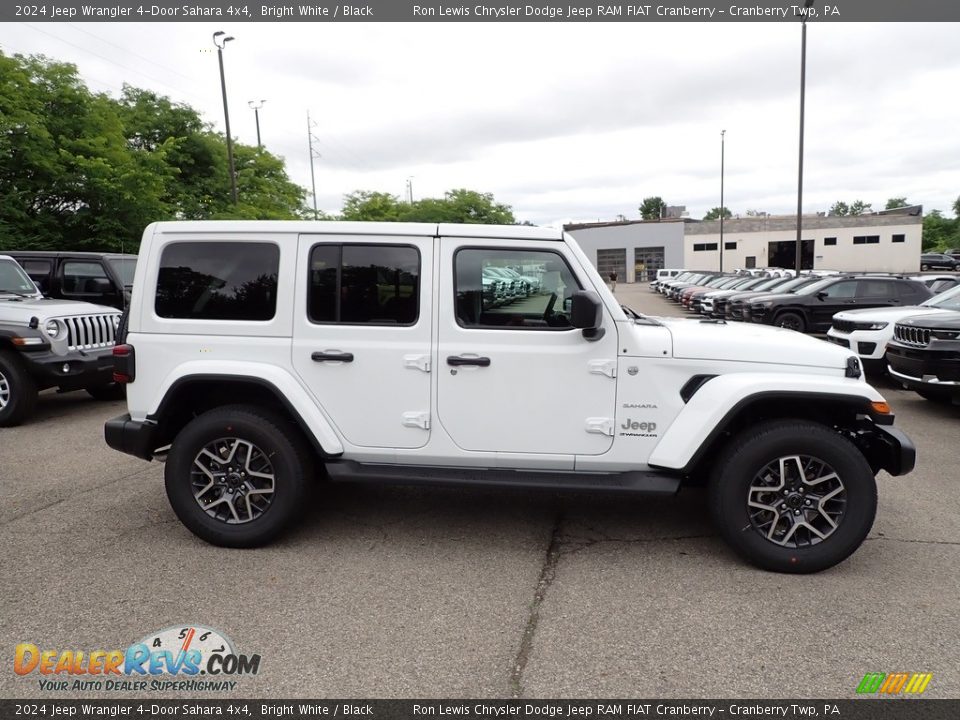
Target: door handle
332	356
457	360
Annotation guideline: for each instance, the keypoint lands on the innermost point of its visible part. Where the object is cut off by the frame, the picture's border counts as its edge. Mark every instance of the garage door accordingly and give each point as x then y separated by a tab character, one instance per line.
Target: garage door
612	261
646	262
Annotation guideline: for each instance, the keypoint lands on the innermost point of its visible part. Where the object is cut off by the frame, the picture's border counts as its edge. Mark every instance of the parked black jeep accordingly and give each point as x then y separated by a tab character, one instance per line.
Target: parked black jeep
811	308
924	355
99	278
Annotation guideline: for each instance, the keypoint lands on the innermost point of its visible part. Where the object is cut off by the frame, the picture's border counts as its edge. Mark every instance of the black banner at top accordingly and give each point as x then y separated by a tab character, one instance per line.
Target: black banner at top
469	11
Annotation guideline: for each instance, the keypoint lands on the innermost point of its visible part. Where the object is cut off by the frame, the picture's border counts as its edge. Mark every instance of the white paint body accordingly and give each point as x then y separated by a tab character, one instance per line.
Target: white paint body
547	401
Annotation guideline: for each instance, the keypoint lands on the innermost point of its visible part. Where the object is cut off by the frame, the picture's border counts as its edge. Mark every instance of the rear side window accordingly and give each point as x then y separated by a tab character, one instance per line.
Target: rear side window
81	277
364	284
218	281
877	289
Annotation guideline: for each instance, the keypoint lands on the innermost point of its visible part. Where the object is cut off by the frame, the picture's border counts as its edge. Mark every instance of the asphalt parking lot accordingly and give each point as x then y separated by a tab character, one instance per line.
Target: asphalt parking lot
412	592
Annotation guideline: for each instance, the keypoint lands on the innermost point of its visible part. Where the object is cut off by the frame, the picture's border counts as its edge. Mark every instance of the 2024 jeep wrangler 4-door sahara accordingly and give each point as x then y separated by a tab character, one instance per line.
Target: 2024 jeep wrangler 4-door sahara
259	356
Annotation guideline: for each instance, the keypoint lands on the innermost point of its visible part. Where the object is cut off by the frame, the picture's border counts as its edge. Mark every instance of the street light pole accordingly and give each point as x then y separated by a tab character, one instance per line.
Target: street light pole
256	113
226	112
803	89
723	134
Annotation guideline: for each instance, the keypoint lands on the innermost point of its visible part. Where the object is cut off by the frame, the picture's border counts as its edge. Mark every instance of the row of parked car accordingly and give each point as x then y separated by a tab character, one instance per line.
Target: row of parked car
59	316
906	325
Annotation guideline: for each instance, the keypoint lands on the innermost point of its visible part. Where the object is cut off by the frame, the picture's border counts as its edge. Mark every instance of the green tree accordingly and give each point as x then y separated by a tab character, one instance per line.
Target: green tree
653	208
894	203
956	207
839	209
859	207
714	214
940	233
456	206
371	206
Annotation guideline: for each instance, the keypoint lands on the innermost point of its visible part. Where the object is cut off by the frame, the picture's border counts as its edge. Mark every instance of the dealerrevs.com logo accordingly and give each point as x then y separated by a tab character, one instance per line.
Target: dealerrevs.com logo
187	657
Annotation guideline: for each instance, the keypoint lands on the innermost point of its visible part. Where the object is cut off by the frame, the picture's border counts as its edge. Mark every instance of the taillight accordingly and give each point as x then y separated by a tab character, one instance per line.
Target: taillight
124	364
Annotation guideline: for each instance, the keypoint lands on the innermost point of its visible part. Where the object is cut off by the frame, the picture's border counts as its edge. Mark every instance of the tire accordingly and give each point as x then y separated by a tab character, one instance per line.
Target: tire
264	445
18	391
737	508
110	391
938	396
791	321
924	267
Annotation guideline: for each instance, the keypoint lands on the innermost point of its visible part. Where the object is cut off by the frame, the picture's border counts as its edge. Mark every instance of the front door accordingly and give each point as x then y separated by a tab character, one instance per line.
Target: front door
512	375
832	299
362	334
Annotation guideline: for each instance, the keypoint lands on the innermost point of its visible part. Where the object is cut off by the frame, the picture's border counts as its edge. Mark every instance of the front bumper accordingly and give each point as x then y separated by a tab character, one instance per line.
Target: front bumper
926	367
74	371
131	437
869	345
888	448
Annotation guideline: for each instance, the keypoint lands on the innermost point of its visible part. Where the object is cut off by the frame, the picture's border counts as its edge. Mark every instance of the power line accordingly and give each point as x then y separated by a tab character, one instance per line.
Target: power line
130	52
109	60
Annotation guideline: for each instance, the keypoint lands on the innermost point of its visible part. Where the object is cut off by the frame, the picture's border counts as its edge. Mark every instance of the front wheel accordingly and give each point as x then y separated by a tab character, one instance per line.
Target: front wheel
791	321
793	496
236	476
924	267
18	391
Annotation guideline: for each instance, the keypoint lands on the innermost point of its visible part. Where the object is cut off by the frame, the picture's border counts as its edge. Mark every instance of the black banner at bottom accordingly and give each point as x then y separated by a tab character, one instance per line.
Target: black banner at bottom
860	709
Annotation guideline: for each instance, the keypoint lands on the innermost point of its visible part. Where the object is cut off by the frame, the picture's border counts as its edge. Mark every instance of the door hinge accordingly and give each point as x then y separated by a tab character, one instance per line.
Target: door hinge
417	362
603	367
600	426
417	419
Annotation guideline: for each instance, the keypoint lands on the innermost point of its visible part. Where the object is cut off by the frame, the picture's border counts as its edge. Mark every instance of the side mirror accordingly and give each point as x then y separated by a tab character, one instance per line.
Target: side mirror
586	313
822	295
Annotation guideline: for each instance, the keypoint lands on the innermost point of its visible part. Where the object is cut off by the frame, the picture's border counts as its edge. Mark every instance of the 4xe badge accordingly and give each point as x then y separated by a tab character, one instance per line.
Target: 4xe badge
156	662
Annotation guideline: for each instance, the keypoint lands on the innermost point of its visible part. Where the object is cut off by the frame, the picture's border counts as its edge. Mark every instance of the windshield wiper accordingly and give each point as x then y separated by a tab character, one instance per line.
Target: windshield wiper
4	291
638	318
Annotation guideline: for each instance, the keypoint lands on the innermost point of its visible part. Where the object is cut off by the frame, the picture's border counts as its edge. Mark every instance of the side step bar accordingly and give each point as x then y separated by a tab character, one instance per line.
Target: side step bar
648	483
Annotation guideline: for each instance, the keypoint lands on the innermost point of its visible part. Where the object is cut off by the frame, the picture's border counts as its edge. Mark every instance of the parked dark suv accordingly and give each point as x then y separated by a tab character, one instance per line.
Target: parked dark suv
811	308
938	261
99	278
924	355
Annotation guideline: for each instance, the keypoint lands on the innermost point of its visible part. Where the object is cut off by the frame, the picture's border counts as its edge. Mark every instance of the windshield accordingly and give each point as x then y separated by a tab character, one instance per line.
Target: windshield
13	280
125	268
949	300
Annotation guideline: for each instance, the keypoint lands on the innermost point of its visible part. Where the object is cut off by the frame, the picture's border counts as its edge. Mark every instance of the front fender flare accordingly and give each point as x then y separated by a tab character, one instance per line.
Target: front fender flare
718	401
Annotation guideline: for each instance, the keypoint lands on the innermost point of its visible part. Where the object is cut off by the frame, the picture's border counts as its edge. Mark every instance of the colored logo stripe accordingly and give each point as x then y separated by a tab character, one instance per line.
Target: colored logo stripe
894	683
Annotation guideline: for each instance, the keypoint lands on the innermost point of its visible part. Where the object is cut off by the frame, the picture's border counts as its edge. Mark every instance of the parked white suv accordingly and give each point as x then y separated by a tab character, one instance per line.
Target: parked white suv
261	356
867	332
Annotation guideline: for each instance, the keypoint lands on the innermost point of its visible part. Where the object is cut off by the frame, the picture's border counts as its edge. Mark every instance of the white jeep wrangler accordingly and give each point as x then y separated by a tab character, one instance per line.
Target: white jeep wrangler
259	355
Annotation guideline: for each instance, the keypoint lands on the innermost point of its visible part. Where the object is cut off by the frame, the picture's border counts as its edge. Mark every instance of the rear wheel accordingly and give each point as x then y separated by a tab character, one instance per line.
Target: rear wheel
236	476
18	391
793	496
924	267
791	321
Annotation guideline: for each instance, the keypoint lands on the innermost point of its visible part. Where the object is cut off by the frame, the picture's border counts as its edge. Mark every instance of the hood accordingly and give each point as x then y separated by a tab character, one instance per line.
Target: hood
739	342
887	314
748	295
943	320
18	311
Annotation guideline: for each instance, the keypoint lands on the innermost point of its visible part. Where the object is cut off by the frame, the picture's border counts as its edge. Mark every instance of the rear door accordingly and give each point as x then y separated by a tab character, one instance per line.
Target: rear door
362	334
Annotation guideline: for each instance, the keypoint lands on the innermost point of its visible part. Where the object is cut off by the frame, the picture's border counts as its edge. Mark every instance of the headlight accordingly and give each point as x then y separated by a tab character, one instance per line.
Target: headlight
52	328
764	304
945	334
871	325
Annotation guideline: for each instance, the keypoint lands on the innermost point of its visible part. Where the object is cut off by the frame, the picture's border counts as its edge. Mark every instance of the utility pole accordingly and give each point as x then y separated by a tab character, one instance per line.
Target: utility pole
723	134
803	87
313	155
226	112
255	106
410	190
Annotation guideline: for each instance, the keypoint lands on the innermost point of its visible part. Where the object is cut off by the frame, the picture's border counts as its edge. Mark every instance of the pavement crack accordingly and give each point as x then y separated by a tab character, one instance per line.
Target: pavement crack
91	488
548	572
921	542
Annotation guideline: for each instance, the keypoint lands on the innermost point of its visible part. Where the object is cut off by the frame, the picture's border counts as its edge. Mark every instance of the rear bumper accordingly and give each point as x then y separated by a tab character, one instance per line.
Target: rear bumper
131	437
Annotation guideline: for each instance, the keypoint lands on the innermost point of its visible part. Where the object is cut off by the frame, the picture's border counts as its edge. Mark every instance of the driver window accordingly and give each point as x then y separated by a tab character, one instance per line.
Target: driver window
513	289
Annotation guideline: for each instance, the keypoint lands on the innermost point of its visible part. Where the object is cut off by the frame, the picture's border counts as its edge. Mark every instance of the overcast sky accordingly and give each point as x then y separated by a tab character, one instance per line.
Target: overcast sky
563	121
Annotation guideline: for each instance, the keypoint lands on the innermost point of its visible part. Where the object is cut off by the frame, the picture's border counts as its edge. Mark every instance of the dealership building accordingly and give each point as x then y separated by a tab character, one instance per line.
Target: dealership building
886	241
